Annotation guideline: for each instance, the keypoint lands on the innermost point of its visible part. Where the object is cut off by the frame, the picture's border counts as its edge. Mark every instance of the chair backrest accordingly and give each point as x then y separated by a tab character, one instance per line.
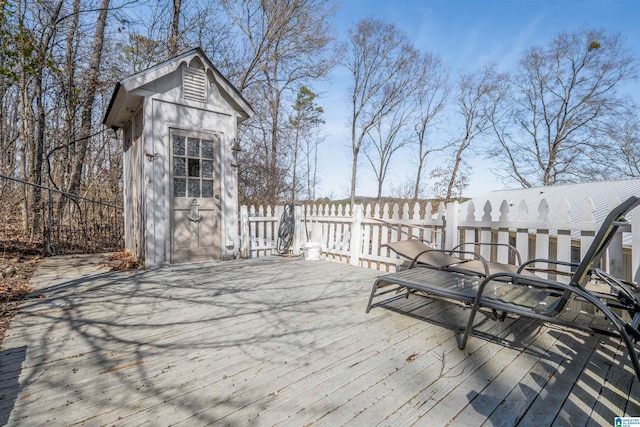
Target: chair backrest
600	243
412	248
602	240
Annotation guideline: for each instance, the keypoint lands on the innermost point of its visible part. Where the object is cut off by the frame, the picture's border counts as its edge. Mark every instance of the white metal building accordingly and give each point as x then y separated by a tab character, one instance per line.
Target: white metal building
179	124
603	194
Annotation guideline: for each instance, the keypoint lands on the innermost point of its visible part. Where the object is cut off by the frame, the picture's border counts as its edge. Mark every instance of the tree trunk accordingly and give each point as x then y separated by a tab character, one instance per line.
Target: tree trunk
70	100
87	108
172	43
25	135
295	161
36	166
356	148
454	173
273	161
416	190
354	170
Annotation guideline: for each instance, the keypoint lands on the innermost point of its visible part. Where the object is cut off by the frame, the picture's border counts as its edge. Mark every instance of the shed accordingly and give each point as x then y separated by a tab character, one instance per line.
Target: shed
179	123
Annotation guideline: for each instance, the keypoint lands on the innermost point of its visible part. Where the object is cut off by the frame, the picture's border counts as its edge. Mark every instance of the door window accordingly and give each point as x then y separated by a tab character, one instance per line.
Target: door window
193	167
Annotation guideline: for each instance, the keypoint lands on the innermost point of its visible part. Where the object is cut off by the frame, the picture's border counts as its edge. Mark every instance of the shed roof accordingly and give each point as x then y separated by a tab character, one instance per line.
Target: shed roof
126	96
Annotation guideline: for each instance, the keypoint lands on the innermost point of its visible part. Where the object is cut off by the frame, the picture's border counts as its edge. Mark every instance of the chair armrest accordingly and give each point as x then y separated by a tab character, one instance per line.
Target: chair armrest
511	248
546	284
624	294
548	261
451	252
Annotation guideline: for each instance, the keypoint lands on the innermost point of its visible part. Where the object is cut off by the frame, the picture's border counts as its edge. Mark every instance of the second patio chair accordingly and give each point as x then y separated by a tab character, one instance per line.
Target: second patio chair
422	254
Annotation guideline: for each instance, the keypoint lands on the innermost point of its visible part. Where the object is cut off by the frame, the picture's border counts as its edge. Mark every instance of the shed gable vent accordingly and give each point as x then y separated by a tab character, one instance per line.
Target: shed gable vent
194	86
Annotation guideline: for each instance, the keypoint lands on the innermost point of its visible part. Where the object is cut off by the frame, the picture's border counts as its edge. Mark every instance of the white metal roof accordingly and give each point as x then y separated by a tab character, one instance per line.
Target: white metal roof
604	195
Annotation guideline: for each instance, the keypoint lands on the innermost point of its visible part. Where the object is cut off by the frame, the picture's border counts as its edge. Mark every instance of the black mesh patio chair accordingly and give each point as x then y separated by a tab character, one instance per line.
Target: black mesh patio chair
616	313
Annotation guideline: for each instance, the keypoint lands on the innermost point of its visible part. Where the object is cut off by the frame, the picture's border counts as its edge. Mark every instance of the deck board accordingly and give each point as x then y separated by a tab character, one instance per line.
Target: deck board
277	341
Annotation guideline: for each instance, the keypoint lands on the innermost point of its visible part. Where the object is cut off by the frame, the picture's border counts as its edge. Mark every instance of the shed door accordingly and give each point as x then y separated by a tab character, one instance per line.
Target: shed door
195	206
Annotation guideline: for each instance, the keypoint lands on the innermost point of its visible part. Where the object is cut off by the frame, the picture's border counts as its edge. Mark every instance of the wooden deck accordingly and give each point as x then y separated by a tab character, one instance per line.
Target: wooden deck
275	341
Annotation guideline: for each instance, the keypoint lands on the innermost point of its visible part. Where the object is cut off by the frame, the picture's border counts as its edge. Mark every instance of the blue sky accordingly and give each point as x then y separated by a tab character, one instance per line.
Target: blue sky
466	34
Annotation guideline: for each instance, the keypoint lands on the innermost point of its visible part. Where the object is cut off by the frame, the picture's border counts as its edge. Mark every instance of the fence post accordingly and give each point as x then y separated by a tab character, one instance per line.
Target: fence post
452	235
355	246
49	225
614	254
296	245
635	245
244	232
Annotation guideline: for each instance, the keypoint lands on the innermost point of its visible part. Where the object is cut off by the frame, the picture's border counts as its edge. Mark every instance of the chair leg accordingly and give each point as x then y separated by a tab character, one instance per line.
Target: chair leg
472	316
620	325
633	355
373	292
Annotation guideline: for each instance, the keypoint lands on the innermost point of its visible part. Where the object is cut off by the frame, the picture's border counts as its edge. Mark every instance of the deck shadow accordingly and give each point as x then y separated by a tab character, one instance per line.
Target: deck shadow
10	368
484	328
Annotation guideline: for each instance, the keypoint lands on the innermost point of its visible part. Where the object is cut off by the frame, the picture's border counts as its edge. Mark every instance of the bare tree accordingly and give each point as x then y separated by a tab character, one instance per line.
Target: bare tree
8	107
88	105
564	98
380	60
31	47
476	92
432	90
623	138
310	150
386	138
442	185
284	45
153	32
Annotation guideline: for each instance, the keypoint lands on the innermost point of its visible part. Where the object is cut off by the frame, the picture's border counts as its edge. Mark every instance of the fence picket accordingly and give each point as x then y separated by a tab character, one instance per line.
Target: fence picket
469	234
485	231
253	232
542	235
614	251
270	234
564	236
586	236
522	230
376	229
503	252
395	231
634	275
331	243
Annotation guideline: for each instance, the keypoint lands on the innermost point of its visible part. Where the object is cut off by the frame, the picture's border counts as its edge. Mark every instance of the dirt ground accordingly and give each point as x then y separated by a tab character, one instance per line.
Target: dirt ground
16	269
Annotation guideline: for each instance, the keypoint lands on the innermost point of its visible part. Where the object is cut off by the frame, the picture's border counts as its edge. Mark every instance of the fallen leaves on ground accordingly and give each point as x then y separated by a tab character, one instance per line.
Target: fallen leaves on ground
16	269
412	357
125	261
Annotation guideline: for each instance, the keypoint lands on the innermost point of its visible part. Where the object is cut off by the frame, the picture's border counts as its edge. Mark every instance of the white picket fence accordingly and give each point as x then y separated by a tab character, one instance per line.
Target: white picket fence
356	236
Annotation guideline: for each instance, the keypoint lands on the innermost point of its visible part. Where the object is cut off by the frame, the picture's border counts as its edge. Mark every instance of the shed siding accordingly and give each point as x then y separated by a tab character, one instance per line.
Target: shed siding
127	176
